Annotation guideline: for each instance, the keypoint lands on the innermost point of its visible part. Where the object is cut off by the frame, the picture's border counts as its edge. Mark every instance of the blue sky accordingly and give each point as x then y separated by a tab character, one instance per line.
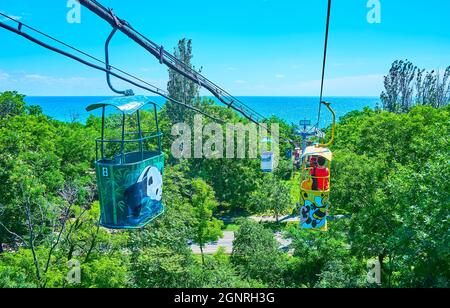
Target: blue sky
249	47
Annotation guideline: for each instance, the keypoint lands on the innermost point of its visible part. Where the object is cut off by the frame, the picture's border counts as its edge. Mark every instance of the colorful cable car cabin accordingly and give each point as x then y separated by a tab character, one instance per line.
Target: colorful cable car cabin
129	164
316	183
315	188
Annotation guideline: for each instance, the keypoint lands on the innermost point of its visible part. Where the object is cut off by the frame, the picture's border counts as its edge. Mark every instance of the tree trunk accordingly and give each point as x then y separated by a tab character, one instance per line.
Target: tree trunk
71	251
203	256
391	270
36	261
31	244
381	261
93	243
1	247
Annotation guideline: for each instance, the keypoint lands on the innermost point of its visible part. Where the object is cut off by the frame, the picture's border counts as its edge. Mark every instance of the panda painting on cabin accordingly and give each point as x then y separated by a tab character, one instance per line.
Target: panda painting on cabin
313	214
143	198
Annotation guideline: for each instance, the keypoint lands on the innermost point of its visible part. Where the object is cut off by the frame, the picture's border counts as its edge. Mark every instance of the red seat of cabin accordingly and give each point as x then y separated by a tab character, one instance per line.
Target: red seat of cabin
321	175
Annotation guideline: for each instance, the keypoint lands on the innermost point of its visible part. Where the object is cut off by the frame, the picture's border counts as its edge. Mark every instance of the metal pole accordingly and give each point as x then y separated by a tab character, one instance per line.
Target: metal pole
123	139
169	60
94	66
157	129
333	128
108	67
102	147
141	148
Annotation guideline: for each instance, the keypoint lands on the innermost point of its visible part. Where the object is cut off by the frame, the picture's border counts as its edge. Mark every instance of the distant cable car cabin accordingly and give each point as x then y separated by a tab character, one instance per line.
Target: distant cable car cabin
267	157
129	168
316	183
267	162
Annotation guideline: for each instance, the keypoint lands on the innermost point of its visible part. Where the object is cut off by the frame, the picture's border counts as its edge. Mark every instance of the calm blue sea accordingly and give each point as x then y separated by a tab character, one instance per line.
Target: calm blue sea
291	109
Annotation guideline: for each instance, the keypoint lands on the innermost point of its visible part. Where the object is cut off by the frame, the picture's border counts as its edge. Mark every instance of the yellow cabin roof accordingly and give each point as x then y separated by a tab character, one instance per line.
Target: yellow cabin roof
324	152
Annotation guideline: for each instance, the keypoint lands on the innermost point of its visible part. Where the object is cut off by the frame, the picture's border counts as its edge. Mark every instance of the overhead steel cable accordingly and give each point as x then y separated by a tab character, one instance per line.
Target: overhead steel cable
198	78
175	64
324	61
201	80
155	88
152	89
109	70
172	62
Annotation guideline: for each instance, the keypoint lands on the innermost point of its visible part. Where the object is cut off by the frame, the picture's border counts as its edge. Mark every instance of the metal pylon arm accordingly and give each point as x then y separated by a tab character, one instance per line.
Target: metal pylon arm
172	62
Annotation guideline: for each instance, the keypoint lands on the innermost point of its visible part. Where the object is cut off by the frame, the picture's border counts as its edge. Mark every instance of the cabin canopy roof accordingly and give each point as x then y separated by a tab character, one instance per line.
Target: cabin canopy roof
126	104
315	151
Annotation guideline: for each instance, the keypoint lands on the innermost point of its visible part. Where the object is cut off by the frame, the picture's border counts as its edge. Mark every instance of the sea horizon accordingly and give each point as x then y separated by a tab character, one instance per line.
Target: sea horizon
310	96
292	109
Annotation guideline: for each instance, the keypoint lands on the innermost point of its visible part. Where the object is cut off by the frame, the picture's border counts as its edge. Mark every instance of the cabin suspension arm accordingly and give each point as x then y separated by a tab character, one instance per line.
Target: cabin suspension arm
171	62
19	32
333	128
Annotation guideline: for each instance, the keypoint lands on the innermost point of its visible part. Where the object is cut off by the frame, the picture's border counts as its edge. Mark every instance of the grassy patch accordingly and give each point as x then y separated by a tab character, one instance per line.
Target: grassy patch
281	226
275	227
231	227
295	184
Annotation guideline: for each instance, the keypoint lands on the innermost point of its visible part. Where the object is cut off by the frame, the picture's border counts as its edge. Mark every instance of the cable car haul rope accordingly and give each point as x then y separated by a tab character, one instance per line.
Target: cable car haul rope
315	185
111	70
136	166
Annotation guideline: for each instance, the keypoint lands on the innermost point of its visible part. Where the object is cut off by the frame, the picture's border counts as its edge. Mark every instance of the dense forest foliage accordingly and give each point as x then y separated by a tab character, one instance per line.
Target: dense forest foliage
390	179
390	191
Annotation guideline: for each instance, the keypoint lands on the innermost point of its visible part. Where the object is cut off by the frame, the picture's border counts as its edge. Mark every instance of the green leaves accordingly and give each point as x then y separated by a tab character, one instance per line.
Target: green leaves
161	267
181	88
406	86
391	175
256	255
206	227
272	196
11	104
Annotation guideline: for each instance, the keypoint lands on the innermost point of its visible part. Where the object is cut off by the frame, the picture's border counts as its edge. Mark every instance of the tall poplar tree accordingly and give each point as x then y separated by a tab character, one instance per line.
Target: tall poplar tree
180	87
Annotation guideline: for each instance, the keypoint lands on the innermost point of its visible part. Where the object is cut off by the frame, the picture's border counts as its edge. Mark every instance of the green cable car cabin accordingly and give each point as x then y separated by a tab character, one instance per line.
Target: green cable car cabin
129	164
